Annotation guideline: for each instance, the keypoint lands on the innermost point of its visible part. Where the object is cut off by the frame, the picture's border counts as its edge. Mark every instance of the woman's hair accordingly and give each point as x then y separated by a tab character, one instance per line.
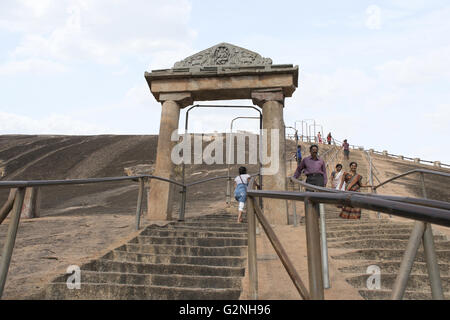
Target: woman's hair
353	163
312	146
338	165
242	170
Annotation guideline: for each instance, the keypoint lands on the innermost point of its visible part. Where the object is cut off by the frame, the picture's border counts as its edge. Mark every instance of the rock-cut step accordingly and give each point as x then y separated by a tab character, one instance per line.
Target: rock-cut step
385	244
101	291
392	267
200	258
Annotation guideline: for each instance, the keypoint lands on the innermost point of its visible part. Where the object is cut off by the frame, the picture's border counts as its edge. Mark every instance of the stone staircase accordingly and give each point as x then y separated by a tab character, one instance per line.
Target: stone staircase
201	258
356	245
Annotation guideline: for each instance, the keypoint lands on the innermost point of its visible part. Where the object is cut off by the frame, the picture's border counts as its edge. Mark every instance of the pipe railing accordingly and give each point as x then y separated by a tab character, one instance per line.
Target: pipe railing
16	209
422	231
15	205
312	200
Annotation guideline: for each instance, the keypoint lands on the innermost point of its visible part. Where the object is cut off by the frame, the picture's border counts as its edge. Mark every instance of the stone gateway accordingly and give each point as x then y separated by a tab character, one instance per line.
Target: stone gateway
222	72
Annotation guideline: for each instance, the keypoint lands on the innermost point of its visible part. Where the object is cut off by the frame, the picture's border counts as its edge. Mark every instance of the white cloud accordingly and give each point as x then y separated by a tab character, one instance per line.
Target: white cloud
53	124
103	32
440	118
31	66
430	66
373	20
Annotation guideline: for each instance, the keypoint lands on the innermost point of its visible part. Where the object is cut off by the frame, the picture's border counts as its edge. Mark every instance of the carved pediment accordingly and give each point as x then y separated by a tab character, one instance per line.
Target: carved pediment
224	54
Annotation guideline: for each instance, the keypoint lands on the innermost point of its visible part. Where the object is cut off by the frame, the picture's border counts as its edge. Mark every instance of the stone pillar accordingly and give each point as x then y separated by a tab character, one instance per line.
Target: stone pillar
161	193
272	102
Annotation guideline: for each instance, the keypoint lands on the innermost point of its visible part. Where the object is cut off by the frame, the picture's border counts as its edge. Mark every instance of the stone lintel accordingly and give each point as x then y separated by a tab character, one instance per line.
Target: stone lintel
259	97
183	99
222	86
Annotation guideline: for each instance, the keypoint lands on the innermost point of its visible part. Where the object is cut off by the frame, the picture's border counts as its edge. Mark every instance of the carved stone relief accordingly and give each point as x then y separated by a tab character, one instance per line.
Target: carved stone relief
224	54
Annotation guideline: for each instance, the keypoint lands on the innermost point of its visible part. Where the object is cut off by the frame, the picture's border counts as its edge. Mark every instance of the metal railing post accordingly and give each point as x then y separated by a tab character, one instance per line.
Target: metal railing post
139	203
295	214
430	254
8	247
252	262
399	287
313	250
182	204
323	236
228	195
432	264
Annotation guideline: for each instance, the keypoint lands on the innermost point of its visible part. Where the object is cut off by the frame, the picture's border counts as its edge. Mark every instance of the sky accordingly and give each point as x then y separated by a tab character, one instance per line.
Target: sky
374	72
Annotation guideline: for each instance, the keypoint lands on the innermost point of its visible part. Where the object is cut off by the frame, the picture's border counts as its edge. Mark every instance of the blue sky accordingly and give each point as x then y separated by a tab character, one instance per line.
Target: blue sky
374	72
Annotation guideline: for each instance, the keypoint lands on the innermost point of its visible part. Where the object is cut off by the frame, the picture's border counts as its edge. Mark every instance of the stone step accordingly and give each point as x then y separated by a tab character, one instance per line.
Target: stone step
125	256
103	265
384	237
190	234
334	222
185	250
92	291
394	266
367	233
218	215
415	282
340	220
229	218
366	226
185	241
208	224
172	280
386	295
378	255
386	244
208	228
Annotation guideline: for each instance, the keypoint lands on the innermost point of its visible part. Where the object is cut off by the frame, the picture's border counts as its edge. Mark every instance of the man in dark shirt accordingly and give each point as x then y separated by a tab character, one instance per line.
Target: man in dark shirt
346	147
314	168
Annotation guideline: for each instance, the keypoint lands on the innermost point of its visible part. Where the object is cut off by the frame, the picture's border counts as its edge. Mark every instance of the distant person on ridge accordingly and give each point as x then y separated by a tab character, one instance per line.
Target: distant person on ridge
298	155
329	138
314	168
319	137
346	147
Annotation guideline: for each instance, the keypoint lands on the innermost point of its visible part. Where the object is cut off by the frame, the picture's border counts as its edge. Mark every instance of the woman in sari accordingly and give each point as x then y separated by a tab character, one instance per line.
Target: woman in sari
353	182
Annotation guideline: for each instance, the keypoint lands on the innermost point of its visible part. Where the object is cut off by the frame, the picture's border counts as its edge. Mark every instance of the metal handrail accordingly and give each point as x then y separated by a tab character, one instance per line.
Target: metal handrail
8	247
40	183
401	209
417	201
443	174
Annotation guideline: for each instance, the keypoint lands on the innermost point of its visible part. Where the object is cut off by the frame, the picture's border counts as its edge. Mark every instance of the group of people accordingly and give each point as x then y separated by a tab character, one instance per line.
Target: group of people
314	168
329	138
